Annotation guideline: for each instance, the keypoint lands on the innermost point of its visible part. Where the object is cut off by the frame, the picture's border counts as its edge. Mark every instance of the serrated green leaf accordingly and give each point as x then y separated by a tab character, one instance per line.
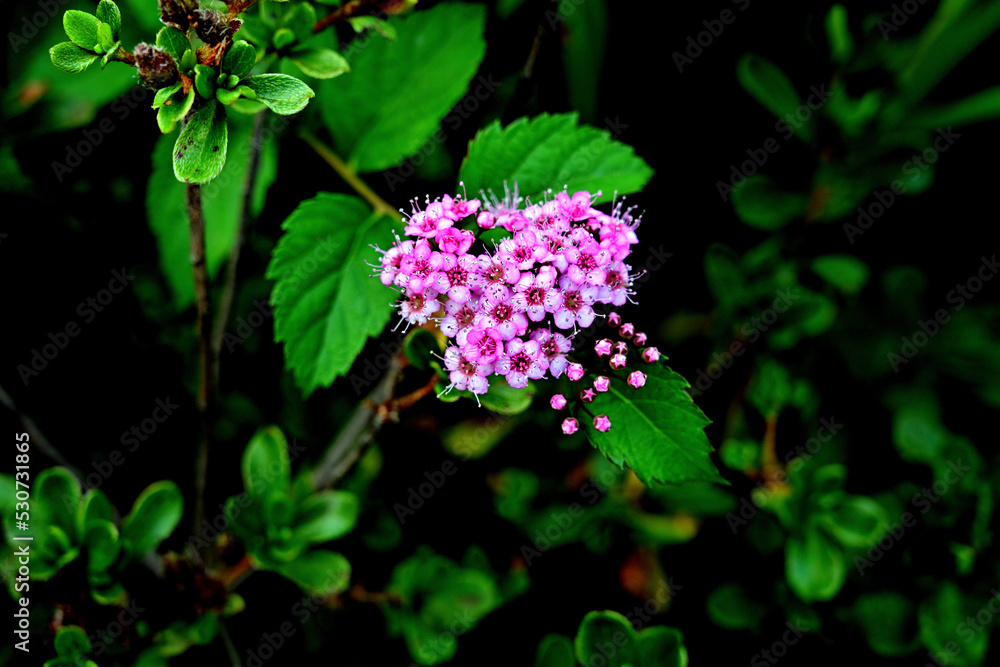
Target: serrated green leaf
771	87
221	203
318	572
552	152
845	272
762	204
400	91
321	63
154	516
240	59
265	465
108	12
656	430
281	93
326	515
81	28
69	57
200	151
325	304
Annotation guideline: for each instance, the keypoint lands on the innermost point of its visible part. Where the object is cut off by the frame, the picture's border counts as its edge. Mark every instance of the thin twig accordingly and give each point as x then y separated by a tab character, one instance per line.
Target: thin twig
349	175
206	391
229	290
367	418
234	655
37	438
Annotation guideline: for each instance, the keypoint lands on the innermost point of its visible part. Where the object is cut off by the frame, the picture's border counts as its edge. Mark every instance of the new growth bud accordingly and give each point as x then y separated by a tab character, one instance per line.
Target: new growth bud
156	68
211	26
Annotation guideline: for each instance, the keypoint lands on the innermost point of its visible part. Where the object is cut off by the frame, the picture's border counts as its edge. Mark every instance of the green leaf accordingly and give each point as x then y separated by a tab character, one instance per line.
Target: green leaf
325	304
318	572
762	204
888	621
845	272
855	521
984	105
168	115
661	646
103	545
56	499
200	151
814	566
164	94
506	400
240	59
94	508
321	63
221	201
266	466
598	631
552	152
205	81
300	19
105	38
154	516
326	515
555	651
81	28
944	612
69	57
769	86
71	641
282	94
400	91
108	12
730	607
282	38
656	430
422	349
838	34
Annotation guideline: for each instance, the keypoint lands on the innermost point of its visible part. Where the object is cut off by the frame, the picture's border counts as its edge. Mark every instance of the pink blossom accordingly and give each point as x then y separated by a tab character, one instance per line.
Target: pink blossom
602	383
570	426
574	371
614	320
523	360
617	361
640	338
602	423
466	374
603	347
558	402
636	379
455	241
587	395
483	346
626	330
651	355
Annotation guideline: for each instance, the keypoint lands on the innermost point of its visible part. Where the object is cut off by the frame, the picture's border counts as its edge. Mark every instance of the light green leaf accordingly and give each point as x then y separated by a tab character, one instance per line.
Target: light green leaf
265	465
102	544
769	86
318	572
71	641
656	430
555	651
168	115
69	57
845	272
154	516
814	566
600	629
400	91
838	34
108	12
200	151
240	58
945	611
552	152
984	105
325	304
81	28
300	20
888	621
321	63
221	201
282	94
326	515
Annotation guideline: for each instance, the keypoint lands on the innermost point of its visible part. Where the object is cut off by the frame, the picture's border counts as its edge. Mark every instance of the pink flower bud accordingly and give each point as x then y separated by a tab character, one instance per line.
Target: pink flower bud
574	371
617	361
614	320
602	423
626	330
570	426
603	347
640	338
636	379
587	395
558	402
602	383
486	220
621	347
651	355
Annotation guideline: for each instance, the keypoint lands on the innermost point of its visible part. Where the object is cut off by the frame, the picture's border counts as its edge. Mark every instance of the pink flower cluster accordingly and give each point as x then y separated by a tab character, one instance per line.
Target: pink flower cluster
504	309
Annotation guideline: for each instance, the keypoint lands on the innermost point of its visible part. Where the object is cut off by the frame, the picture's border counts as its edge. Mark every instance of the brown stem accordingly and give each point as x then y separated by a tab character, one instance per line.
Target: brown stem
349	175
36	437
229	290
196	218
769	454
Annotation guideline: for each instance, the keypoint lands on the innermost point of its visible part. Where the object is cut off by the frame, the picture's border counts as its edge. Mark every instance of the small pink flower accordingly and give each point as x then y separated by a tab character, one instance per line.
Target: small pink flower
603	347
570	426
574	371
558	402
626	330
651	355
587	395
602	383
621	347
614	320
636	379
486	220
640	338
602	423
617	361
